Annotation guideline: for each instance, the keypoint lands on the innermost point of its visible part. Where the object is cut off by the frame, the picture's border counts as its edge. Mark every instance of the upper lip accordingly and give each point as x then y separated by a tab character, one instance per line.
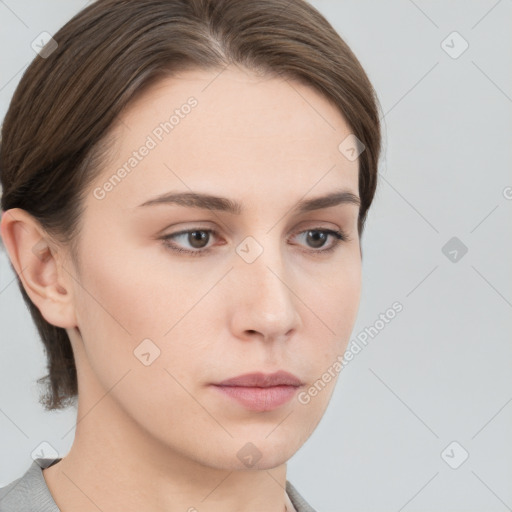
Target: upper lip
263	380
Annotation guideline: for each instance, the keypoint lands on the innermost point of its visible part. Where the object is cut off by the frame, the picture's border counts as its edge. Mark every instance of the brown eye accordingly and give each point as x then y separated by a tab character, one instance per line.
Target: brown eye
316	239
196	239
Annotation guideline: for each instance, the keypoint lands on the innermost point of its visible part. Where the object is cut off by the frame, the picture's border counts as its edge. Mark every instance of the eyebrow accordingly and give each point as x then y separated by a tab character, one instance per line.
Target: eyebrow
224	204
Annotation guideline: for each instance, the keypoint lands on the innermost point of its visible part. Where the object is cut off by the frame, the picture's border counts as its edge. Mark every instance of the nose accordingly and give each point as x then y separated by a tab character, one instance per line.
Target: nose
262	298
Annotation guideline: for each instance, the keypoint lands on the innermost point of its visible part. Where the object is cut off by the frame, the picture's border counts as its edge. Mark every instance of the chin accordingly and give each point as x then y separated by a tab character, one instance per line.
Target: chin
246	454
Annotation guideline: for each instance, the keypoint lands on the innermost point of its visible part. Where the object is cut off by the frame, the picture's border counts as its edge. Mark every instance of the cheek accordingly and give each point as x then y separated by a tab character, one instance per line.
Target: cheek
333	298
134	293
334	308
126	301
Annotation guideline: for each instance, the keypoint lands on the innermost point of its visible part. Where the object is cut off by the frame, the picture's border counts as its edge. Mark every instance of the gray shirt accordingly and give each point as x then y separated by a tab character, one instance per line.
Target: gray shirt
29	493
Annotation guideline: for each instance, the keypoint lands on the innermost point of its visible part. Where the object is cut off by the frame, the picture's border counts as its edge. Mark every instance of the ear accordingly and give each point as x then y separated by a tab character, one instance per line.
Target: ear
38	263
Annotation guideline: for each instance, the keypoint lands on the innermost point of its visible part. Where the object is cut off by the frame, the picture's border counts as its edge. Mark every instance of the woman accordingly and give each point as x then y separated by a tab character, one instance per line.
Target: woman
185	186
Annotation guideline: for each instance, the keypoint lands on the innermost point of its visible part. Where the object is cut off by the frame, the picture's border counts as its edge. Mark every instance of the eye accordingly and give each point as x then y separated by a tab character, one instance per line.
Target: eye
198	239
317	237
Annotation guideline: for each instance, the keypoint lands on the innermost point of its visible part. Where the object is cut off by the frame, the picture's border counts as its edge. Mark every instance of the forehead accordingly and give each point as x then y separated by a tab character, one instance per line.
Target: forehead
229	130
229	98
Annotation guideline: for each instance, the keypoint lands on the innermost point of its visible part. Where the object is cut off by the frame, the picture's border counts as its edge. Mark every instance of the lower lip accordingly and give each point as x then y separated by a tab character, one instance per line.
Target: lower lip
260	399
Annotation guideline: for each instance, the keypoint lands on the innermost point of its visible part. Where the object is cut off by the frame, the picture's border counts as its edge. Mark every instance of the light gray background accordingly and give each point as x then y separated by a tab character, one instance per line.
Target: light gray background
440	371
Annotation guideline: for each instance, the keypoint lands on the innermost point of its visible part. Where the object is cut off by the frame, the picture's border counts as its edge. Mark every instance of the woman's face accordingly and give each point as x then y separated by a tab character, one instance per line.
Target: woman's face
259	287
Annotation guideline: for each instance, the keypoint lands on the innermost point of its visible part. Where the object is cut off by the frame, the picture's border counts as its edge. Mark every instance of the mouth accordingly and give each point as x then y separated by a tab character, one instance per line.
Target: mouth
261	392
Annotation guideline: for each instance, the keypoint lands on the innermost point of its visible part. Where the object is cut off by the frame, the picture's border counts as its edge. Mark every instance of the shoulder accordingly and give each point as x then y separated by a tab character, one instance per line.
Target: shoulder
29	492
300	504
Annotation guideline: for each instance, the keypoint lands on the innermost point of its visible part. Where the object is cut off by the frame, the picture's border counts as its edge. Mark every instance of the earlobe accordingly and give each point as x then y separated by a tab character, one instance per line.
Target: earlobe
36	261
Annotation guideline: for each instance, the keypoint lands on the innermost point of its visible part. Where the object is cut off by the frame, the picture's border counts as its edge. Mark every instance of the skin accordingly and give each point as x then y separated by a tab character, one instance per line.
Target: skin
159	437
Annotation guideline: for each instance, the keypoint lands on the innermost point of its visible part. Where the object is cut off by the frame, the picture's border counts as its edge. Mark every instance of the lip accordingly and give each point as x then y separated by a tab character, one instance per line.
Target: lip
263	380
261	392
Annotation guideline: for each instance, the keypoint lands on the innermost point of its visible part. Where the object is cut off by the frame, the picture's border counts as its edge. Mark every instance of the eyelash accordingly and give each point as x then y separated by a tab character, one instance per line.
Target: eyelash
339	237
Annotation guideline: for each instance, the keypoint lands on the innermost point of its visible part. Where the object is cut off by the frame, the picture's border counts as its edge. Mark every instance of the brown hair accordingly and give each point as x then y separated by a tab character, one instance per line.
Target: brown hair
54	134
